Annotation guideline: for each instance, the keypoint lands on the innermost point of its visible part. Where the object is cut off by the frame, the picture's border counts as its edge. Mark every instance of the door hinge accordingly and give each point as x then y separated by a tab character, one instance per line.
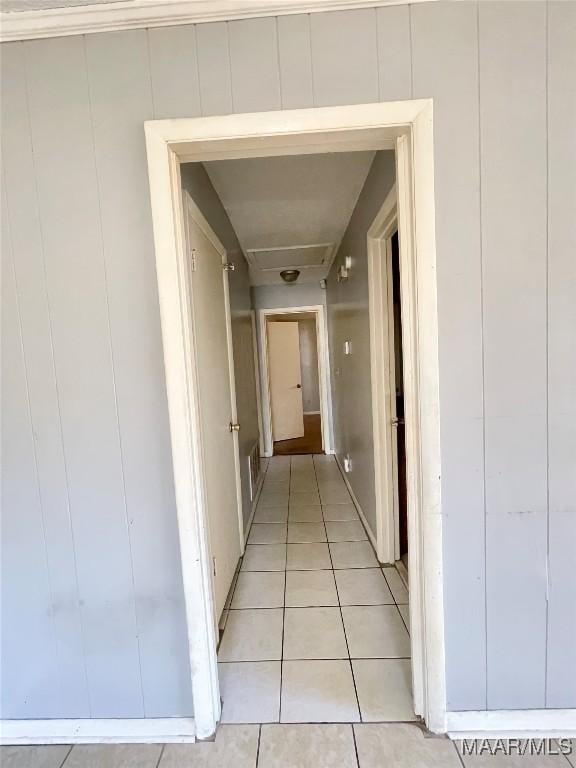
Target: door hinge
193	259
228	266
214	566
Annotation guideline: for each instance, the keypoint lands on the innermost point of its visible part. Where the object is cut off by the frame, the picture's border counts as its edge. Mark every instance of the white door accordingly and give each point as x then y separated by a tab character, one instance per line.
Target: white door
285	380
216	398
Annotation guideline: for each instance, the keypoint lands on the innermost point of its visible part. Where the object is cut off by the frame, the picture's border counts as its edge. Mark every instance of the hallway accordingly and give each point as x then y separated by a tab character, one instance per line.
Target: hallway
316	631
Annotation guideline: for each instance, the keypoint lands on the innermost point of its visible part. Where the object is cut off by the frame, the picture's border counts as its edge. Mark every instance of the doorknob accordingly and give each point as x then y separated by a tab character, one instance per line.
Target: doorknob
234	427
298	386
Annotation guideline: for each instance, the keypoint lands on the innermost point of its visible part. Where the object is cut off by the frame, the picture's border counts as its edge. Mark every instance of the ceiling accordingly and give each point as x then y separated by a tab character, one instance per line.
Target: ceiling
290	211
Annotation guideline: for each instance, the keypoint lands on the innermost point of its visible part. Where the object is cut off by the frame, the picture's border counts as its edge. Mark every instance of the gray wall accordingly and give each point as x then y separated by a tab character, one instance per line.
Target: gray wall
295	295
348	320
90	431
197	182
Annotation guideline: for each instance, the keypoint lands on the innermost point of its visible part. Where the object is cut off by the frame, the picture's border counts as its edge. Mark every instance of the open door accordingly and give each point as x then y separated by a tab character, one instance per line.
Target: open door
285	380
217	398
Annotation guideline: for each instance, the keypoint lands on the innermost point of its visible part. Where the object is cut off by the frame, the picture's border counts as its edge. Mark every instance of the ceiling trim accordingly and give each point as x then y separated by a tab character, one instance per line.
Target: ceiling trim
138	14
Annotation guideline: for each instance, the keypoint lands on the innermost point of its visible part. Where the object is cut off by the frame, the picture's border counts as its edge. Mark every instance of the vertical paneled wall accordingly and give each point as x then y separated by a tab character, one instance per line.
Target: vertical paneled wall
93	612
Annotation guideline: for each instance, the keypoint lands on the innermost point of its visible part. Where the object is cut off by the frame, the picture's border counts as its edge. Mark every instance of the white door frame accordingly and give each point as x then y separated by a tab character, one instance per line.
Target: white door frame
406	126
323	373
382	371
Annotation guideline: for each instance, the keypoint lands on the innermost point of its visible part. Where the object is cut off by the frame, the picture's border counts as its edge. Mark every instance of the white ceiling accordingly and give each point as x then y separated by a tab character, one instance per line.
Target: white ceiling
290	211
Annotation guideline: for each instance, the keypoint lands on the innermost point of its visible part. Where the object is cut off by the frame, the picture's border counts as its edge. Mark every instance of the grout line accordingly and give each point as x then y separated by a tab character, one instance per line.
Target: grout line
342	620
161	755
284	601
67	756
355	744
258	746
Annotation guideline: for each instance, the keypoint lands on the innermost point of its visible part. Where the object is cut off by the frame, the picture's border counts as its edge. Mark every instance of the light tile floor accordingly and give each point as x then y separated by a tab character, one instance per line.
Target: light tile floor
314	659
311	595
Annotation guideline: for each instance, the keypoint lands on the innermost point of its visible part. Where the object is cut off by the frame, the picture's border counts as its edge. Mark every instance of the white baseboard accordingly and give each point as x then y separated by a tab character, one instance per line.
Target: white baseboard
254	505
153	730
512	723
403	571
357	505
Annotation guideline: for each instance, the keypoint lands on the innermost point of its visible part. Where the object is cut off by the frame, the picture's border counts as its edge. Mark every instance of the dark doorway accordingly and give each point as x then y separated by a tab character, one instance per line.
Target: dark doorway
400	428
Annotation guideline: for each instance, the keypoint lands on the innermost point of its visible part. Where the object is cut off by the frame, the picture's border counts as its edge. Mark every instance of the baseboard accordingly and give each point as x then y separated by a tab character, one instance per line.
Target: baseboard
254	505
153	730
512	723
311	413
357	505
402	571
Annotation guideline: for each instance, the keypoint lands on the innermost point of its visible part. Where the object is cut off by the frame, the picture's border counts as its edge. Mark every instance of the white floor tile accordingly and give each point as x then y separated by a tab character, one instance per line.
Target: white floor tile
335	495
403	746
252	635
405	613
267	533
250	691
318	692
362	586
271	514
314	633
306	533
396	585
384	689
273	499
308	557
264	557
304	482
303	499
307	746
309	588
113	756
275	486
259	590
339	512
309	514
353	530
487	760
353	554
375	632
235	746
33	757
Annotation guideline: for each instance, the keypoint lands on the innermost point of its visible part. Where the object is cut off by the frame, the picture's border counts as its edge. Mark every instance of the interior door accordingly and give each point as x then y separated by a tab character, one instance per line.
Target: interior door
217	399
285	380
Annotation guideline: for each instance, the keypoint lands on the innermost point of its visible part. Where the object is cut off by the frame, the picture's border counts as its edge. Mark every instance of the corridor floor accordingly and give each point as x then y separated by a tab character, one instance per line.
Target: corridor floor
314	658
316	630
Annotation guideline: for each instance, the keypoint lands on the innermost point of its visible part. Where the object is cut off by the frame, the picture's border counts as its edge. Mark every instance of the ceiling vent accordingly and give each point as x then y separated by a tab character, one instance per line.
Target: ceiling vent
291	257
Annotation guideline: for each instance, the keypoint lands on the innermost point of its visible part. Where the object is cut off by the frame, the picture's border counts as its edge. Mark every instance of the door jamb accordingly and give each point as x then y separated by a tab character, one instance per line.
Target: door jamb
382	371
324	129
323	373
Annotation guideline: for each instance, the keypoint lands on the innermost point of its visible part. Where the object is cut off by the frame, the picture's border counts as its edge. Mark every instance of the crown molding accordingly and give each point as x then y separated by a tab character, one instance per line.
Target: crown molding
139	14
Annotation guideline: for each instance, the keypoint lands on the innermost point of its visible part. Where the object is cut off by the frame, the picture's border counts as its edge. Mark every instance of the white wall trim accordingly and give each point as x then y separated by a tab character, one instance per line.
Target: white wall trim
319	311
139	14
162	730
512	723
382	373
409	123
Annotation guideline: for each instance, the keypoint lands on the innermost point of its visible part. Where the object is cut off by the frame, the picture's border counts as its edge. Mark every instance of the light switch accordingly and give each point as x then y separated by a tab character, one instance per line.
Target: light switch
347	347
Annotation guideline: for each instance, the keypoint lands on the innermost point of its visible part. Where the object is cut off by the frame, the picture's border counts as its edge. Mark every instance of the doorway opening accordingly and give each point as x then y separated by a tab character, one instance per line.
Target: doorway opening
295	381
406	128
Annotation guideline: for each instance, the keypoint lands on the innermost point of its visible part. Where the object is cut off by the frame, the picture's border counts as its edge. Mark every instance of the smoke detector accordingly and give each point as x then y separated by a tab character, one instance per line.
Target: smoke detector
290	275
